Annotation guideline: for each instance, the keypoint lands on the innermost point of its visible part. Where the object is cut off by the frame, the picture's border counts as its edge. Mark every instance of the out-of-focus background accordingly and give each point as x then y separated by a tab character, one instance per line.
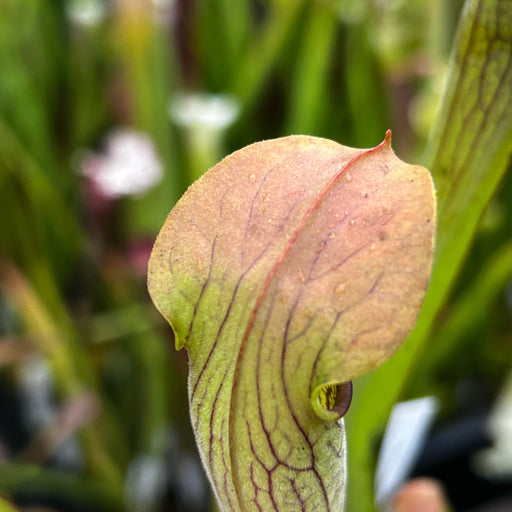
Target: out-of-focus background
108	110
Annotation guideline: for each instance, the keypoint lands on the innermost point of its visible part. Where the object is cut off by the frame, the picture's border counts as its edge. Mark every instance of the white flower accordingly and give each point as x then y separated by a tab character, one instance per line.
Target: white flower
129	167
215	111
86	13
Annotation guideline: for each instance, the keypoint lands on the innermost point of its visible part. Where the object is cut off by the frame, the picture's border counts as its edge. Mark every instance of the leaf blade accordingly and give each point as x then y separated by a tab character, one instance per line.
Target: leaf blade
247	269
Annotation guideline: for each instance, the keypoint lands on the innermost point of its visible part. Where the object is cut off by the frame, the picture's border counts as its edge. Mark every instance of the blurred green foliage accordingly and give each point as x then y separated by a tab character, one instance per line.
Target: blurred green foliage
72	259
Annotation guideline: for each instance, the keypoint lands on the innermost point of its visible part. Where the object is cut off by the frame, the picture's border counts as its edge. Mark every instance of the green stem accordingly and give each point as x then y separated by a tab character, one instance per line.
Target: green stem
308	90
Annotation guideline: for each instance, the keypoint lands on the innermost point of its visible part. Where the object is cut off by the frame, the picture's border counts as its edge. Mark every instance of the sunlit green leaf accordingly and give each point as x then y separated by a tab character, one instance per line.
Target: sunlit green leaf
6	506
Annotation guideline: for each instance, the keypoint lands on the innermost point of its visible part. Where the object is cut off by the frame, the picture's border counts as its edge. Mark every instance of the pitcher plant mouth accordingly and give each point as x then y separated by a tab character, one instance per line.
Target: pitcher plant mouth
287	270
332	401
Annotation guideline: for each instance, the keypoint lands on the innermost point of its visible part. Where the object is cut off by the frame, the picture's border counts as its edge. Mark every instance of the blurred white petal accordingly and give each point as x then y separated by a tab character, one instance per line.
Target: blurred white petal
405	435
215	111
86	13
496	462
129	167
35	387
145	483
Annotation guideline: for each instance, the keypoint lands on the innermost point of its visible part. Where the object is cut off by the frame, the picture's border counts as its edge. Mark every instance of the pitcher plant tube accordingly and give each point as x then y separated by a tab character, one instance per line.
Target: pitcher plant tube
287	270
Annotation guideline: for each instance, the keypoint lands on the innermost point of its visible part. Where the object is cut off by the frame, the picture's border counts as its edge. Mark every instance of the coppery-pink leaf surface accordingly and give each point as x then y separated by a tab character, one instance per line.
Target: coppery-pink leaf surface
290	268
